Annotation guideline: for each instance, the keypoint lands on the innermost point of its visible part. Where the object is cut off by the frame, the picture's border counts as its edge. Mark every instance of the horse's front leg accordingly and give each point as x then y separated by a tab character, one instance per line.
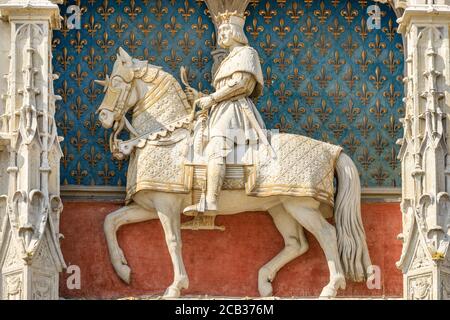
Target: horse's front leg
169	210
113	221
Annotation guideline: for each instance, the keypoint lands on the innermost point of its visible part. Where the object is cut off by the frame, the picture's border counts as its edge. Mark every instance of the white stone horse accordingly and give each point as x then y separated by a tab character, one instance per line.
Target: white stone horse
344	246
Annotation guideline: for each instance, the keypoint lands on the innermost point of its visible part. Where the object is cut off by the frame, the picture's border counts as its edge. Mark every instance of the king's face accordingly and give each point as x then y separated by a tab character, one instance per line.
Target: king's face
225	38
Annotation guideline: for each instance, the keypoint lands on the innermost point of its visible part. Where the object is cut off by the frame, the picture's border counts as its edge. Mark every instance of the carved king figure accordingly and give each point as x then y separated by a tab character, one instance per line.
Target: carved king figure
233	117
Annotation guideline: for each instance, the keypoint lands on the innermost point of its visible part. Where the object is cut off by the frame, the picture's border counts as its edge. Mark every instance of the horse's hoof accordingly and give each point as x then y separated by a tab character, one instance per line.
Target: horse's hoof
124	273
172	292
328	292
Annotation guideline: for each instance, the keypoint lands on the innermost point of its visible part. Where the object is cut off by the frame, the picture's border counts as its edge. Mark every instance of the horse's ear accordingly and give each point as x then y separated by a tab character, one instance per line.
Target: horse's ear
124	56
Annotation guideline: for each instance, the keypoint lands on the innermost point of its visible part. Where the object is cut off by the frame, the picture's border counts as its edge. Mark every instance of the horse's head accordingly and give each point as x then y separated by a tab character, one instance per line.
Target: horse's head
120	93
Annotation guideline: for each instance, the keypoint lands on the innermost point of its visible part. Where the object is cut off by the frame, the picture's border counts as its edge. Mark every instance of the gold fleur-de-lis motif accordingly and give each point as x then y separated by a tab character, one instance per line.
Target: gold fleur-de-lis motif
132	42
337	94
364	95
391	158
146	56
104	141
267	13
199	27
159	43
254	29
362	3
92	26
146	27
351	143
365	159
379	144
186	11
106	174
283	126
310	126
296	78
310	95
337	127
390	30
377	46
350	78
295	12
296	111
281	29
78	141
64	59
323	45
78	174
186	43
308	3
336	29
335	3
349	13
92	124
282	93
362	29
78	108
377	78
173	26
92	157
350	111
119	26
281	3
66	124
91	91
253	3
65	91
378	110
349	46
102	74
173	60
399	47
322	14
105	43
392	127
199	60
391	95
211	43
336	62
55	42
105	10
364	126
322	78
78	75
269	77
132	11
269	110
391	62
158	10
282	61
268	46
379	175
323	112
309	29
67	157
78	43
295	45
364	61
91	58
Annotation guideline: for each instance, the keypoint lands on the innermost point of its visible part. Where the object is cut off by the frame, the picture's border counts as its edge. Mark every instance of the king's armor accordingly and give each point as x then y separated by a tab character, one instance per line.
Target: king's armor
233	118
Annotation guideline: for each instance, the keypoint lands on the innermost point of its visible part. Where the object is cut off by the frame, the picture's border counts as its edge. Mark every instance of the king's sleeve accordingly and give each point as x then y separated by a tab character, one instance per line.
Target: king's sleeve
239	84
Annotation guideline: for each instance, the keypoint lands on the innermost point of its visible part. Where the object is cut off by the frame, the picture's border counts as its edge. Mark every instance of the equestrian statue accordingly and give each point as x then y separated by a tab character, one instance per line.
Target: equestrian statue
221	160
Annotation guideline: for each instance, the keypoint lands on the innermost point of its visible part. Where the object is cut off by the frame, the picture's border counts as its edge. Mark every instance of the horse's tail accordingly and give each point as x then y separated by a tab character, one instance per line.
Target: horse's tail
351	237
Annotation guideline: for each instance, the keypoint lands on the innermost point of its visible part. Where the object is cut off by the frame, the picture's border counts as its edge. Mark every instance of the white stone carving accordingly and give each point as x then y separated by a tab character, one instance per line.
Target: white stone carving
160	181
424	147
29	243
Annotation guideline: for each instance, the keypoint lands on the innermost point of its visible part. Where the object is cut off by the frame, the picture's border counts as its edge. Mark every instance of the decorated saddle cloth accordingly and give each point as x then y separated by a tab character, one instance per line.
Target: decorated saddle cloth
302	167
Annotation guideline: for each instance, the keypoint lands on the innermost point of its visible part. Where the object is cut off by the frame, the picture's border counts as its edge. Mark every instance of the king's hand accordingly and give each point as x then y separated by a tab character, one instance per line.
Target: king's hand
205	102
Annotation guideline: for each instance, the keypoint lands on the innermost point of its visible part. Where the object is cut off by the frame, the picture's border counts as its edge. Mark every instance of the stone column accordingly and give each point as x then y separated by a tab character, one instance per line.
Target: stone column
425	261
30	255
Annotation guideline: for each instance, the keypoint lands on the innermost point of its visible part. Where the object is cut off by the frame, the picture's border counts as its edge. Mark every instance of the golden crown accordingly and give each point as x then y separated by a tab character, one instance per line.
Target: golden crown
230	17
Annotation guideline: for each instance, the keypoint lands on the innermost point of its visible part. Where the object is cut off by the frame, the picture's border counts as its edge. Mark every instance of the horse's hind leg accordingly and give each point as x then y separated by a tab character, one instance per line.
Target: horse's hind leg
113	221
307	213
295	244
